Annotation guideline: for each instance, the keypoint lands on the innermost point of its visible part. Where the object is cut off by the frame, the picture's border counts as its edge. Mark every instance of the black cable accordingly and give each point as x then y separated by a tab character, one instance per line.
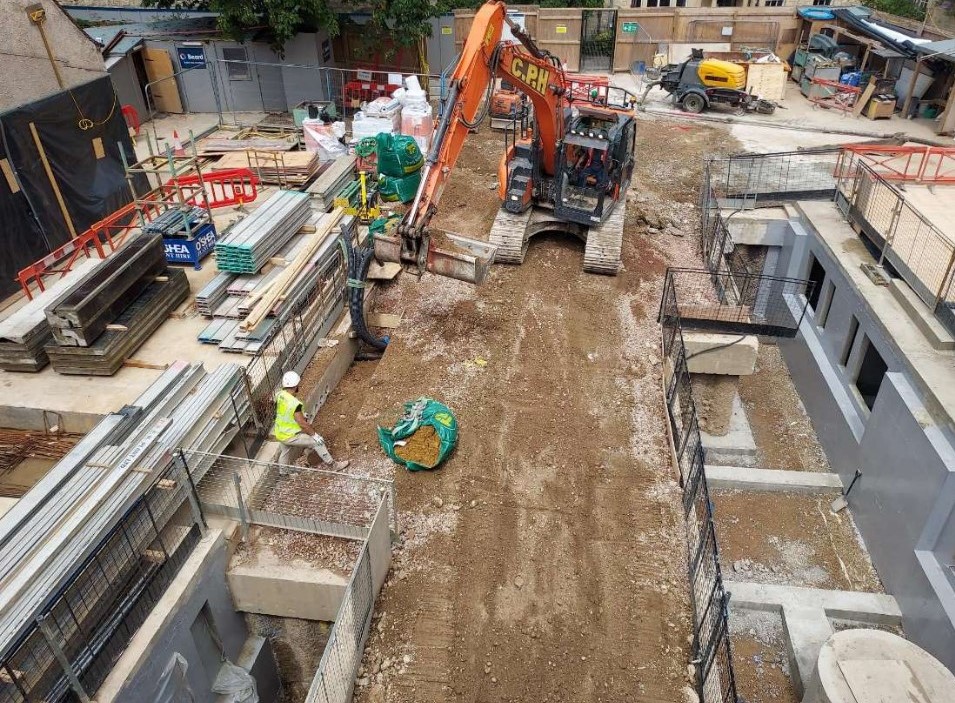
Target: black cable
359	260
721	346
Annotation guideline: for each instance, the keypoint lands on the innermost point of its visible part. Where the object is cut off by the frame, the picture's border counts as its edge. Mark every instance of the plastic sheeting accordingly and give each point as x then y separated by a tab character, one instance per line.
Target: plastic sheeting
173	686
86	165
236	682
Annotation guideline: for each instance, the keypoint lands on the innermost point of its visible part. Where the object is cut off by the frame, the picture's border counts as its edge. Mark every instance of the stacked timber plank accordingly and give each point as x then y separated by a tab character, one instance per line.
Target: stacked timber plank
219	145
286	169
46	536
25	332
128	331
321	279
327	186
251	242
81	314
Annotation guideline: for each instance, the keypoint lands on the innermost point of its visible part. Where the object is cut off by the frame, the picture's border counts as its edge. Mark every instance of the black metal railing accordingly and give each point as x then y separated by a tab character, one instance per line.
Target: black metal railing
745	181
71	646
736	302
713	656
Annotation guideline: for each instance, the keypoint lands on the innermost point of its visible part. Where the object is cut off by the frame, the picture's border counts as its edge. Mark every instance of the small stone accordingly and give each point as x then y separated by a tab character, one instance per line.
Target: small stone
583	658
519	582
437	502
386	664
664	589
363	681
691	672
493	679
689	695
406	659
738	565
473	503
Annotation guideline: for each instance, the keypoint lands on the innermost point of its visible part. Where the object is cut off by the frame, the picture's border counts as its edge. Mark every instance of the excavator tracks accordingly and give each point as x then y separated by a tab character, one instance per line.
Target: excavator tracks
602	251
509	235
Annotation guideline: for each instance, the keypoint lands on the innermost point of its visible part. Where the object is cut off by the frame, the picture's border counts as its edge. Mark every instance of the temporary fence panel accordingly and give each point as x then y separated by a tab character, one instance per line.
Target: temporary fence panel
766	180
296	498
86	626
715	680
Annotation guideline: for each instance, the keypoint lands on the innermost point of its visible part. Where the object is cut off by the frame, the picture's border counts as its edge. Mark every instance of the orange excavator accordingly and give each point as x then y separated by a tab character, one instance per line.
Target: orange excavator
569	172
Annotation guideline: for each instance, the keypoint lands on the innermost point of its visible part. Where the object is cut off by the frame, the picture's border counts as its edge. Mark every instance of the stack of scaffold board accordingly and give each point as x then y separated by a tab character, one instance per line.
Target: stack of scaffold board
47	536
25	332
286	169
247	307
110	312
327	186
249	244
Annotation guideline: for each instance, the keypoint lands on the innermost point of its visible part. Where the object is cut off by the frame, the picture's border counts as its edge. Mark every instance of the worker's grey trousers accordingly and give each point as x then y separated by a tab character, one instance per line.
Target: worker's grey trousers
293	447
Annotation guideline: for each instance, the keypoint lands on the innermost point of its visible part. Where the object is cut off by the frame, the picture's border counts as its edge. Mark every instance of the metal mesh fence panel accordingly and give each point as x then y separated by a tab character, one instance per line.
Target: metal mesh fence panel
715	681
738	301
292	497
762	180
296	330
79	635
909	243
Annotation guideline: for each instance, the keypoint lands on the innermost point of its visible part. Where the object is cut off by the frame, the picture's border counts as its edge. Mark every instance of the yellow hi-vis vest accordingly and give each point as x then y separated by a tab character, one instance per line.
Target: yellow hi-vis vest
285	406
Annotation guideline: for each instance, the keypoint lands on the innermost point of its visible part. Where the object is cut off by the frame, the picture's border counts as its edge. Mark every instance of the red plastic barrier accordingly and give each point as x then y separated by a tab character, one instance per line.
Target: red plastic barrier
235	186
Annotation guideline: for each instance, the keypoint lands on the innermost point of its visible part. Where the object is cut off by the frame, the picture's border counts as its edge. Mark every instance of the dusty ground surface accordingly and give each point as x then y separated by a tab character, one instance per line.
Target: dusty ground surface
298	549
791	539
760	661
785	438
713	395
545	560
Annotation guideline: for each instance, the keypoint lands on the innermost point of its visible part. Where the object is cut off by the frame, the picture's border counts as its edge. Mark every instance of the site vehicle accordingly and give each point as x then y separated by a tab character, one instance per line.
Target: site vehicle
569	172
699	83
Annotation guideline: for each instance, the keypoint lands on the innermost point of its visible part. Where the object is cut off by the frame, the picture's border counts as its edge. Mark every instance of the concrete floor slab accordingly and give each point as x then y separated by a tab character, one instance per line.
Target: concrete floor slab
723	354
742	477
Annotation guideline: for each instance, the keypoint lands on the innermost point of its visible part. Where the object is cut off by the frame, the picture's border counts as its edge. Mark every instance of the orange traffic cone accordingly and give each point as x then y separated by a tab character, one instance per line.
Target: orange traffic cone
177	148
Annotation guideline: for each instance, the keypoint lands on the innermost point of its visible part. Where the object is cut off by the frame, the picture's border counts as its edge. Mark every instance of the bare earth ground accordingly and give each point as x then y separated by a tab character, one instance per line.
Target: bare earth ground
785	438
545	560
713	395
791	539
760	660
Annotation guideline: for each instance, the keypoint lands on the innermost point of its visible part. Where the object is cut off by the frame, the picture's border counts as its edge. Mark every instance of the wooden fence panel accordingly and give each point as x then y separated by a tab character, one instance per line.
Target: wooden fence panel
640	43
558	31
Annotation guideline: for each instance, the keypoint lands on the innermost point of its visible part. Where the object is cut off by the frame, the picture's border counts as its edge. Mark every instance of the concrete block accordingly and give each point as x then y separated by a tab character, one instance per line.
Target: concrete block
727	354
735	448
270	586
742	477
762	227
807	630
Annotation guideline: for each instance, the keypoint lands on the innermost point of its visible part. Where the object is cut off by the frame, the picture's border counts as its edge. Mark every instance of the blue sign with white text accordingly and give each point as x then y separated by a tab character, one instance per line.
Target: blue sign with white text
191	56
191	251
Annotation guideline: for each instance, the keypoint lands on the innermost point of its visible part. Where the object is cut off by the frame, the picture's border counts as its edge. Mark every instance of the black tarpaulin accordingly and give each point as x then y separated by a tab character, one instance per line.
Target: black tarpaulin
86	164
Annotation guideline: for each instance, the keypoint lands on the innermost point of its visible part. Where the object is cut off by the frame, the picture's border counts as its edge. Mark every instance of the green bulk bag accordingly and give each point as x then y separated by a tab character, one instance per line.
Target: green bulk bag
393	190
398	155
420	413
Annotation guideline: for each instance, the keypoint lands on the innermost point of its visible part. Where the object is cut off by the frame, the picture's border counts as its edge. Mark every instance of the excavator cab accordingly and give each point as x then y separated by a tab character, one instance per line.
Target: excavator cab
595	163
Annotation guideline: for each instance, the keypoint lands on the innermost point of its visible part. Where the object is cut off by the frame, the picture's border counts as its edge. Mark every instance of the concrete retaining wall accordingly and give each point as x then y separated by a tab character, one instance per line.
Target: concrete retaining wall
902	504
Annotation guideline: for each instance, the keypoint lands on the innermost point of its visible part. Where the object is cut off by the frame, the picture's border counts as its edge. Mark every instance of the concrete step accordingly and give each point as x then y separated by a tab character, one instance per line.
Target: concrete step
742	477
923	317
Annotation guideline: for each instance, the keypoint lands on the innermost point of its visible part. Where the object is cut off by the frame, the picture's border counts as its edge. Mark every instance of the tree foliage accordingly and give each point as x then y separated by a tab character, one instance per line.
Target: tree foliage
403	21
900	8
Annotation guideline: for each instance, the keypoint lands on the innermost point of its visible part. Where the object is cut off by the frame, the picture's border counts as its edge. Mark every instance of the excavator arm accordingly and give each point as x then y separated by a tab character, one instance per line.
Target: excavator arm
483	58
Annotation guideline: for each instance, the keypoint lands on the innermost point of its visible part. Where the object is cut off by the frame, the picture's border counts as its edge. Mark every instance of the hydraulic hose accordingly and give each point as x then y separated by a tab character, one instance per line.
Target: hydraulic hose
359	260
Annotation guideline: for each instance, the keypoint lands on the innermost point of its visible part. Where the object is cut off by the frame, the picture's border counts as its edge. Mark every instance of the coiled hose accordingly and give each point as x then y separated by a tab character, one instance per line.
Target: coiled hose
359	260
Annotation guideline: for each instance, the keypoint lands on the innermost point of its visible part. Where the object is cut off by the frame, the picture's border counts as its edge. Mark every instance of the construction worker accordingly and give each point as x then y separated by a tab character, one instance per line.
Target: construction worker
293	429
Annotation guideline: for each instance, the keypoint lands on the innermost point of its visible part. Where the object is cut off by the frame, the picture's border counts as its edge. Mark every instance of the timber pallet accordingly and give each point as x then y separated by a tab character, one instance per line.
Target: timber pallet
127	333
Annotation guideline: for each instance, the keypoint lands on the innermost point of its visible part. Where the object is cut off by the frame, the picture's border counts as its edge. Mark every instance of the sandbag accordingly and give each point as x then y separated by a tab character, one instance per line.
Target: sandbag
398	155
403	190
423	437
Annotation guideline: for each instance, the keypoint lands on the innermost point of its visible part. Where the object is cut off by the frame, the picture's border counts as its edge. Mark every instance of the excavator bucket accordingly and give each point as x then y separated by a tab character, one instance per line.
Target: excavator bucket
449	255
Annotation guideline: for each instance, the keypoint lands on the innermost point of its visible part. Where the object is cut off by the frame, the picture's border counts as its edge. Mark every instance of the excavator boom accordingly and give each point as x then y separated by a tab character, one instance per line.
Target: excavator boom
483	58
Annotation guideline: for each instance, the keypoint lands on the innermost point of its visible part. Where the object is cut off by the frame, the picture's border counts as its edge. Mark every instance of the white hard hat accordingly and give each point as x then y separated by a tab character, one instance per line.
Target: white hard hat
290	379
